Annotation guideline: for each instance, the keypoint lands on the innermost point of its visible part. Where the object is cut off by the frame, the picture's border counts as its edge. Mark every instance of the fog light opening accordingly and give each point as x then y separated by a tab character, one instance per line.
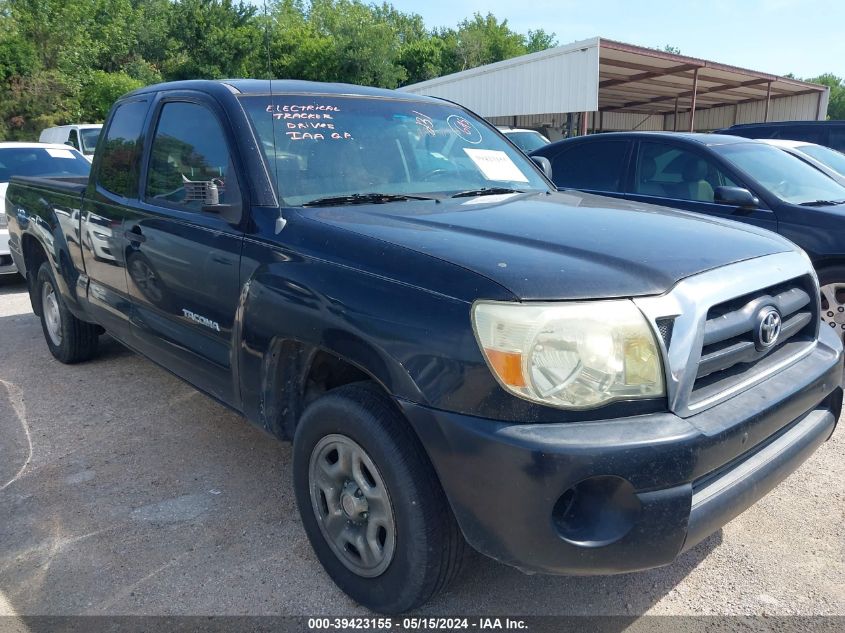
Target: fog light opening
596	512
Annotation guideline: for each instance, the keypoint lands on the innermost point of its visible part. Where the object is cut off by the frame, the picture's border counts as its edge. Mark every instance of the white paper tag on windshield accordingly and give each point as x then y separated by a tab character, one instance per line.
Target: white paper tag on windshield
60	153
495	165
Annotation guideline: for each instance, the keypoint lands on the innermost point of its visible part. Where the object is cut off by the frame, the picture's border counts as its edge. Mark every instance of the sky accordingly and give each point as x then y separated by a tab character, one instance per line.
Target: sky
804	37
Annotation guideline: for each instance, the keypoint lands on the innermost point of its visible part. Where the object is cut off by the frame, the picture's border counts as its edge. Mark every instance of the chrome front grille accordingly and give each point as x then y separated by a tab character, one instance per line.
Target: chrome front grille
729	349
708	327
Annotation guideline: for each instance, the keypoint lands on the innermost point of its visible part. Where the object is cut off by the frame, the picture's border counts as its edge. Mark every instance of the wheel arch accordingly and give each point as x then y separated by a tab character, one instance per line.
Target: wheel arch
295	373
34	254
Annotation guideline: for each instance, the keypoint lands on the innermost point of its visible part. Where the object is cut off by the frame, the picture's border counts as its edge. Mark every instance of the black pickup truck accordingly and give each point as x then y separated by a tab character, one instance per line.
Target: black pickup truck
460	353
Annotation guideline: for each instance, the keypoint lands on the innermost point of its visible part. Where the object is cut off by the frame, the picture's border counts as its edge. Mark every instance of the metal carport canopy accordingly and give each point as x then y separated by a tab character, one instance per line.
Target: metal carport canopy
613	78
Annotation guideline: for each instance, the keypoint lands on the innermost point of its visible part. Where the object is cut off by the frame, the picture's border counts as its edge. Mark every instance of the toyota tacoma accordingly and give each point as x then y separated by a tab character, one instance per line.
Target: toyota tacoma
460	353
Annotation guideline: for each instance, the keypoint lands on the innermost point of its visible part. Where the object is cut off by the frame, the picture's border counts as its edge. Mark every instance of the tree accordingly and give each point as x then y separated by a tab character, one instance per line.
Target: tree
101	90
62	61
213	39
484	40
366	47
668	48
539	40
836	105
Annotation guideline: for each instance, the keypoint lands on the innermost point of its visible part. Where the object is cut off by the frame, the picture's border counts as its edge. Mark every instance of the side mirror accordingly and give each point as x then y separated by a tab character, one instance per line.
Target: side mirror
71	144
735	197
544	164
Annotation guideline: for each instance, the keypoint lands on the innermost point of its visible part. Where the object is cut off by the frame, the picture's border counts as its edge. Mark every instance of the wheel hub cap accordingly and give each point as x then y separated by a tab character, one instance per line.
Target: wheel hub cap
352	505
353	502
833	307
52	315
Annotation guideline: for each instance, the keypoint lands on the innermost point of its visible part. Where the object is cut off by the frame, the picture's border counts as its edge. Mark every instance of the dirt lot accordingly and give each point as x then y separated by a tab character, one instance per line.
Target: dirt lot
124	491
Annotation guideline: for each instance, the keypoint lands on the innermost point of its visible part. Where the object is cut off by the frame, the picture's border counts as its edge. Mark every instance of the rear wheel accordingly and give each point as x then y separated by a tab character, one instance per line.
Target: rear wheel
371	503
69	339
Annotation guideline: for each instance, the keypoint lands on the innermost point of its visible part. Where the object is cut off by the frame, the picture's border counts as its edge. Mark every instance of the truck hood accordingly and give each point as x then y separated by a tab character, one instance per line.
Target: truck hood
564	245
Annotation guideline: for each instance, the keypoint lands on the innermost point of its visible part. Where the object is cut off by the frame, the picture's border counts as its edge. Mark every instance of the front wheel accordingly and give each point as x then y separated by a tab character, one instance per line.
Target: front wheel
69	339
371	503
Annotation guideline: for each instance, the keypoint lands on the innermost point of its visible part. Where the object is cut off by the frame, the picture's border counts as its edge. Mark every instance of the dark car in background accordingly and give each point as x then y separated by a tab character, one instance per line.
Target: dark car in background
827	133
722	176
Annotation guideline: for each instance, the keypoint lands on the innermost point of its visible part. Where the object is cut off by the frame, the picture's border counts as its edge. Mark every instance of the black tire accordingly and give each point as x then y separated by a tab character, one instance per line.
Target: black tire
78	340
429	547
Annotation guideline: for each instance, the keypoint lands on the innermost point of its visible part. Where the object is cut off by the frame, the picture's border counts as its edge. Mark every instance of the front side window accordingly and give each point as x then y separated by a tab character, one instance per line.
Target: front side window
319	146
73	139
786	176
118	171
597	166
190	166
806	133
836	138
668	171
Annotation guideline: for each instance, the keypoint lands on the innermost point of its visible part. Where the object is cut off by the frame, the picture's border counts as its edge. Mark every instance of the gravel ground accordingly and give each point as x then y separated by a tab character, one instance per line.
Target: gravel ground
124	491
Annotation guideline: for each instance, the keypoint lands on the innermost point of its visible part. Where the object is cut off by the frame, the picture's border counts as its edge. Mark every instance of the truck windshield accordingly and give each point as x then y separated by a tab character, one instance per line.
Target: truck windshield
90	136
322	146
43	162
789	178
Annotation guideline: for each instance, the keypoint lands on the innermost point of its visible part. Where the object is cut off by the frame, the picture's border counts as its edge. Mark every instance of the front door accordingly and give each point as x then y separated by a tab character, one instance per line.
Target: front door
111	194
675	176
183	251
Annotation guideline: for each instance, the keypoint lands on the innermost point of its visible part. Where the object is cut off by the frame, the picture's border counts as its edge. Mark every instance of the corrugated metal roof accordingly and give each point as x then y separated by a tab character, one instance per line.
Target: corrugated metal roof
621	79
562	79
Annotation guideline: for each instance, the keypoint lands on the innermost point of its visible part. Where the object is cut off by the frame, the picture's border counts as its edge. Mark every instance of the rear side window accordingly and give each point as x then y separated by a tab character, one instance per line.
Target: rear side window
190	159
118	171
802	133
836	138
599	166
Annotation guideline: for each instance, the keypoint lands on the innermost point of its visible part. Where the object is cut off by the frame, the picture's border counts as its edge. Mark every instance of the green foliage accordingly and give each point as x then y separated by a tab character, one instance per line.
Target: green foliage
668	48
66	61
216	39
101	90
836	105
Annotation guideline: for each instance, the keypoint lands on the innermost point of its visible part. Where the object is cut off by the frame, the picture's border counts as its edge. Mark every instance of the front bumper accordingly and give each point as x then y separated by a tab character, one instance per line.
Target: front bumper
646	488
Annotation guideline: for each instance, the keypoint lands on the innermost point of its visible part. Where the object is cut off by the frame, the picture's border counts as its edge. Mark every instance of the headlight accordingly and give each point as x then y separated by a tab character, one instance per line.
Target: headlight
570	355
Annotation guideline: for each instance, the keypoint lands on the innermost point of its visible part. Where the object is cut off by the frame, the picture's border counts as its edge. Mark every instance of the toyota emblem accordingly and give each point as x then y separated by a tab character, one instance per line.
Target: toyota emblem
768	328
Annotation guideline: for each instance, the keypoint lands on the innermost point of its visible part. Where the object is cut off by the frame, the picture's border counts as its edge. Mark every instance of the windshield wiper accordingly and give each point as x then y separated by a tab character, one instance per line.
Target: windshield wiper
821	203
365	198
486	191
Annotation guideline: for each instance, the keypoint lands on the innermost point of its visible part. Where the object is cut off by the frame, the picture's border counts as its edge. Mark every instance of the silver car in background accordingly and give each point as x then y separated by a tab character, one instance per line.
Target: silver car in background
32	159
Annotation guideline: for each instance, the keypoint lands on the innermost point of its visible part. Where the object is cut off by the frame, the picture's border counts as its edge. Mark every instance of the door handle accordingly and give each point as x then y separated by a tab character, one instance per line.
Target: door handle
135	235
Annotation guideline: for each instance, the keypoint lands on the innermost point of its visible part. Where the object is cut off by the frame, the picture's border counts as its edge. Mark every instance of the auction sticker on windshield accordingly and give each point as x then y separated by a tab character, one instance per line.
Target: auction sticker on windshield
495	165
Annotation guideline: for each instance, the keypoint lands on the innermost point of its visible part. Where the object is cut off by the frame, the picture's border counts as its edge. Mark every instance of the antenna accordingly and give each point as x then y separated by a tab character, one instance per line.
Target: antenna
280	221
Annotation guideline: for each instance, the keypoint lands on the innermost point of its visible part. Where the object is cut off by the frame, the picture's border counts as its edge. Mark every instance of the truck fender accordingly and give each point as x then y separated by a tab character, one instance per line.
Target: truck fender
277	341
